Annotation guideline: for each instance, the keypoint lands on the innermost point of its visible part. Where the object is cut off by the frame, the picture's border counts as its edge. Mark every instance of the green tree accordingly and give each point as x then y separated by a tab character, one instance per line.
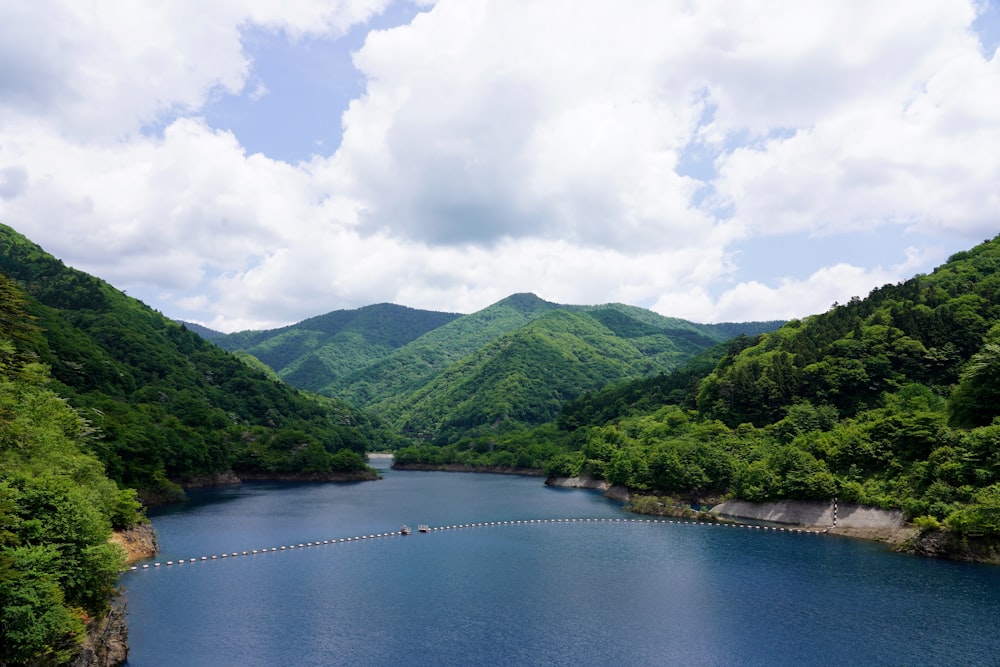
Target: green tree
976	399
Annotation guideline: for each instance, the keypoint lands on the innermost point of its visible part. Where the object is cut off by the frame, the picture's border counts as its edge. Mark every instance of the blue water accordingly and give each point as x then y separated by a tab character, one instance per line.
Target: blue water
582	593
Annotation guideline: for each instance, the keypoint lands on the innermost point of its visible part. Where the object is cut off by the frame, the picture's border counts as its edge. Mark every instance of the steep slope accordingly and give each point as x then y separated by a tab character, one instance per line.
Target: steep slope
313	353
413	365
167	404
511	363
519	378
57	507
525	376
891	400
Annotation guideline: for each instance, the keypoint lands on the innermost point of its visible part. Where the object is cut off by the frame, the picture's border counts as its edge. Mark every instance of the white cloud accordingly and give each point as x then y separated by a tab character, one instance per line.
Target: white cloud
910	147
104	69
500	146
157	211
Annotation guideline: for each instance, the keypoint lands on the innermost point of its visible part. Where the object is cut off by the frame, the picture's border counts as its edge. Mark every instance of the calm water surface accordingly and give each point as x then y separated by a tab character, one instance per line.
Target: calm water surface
552	594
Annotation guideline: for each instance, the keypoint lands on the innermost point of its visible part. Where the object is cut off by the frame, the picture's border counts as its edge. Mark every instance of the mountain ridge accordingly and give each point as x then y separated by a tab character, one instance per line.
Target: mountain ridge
411	385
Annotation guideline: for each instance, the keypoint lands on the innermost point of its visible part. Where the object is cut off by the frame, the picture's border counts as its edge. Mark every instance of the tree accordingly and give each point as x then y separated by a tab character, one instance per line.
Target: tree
976	399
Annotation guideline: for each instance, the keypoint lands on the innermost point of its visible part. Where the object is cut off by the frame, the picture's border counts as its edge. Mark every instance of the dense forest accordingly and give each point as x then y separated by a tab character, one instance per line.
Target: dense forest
315	353
57	507
166	405
439	377
890	401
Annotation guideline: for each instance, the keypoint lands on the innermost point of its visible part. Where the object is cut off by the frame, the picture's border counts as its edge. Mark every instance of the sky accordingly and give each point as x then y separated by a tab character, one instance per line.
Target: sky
246	164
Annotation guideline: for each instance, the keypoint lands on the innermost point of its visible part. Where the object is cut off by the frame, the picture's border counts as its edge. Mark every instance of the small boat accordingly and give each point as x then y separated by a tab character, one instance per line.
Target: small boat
424	528
404	530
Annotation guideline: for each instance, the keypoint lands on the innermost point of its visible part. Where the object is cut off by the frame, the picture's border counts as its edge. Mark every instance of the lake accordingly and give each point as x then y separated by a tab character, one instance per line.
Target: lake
560	593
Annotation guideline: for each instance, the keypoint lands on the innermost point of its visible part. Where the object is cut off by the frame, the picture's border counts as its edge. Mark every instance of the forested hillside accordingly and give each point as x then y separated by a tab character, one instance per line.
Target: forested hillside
315	353
412	365
523	378
890	400
509	365
57	508
165	404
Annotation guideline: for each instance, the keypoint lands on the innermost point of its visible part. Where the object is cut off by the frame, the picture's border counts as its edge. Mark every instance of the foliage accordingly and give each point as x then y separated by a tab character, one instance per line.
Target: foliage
164	404
891	401
57	508
315	352
508	366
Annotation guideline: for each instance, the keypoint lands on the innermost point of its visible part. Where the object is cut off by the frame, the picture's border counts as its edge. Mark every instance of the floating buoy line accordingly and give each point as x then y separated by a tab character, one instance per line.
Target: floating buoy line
484	524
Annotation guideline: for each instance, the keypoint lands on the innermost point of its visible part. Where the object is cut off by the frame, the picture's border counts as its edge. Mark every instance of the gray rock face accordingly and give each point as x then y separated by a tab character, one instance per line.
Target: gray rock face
107	639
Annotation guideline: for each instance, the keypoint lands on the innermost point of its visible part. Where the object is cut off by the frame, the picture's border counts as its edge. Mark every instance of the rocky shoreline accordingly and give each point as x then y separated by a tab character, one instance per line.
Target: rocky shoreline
106	644
845	519
616	492
139	542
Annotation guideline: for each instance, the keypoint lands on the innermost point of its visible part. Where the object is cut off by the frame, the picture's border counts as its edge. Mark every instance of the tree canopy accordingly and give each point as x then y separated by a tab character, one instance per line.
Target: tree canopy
891	400
57	507
165	404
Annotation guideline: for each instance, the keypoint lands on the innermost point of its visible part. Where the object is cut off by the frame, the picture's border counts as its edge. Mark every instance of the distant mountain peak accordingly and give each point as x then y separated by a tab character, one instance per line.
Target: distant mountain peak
526	301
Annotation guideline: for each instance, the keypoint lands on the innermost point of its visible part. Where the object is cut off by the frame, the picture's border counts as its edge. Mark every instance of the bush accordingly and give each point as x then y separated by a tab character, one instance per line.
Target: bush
926	522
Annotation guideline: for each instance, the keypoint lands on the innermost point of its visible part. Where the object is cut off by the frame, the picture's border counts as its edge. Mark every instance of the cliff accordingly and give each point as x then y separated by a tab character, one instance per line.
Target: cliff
106	644
139	542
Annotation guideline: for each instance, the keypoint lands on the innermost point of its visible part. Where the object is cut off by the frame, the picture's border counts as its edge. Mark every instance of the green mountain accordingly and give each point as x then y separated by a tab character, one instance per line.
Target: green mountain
524	377
413	365
510	364
315	352
166	404
892	401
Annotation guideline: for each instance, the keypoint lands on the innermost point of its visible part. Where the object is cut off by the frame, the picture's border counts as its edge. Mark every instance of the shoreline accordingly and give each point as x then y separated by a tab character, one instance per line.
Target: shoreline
833	517
849	520
461	467
156	497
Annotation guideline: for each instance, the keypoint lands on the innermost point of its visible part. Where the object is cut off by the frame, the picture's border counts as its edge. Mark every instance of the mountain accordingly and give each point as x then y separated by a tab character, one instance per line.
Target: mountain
165	404
204	332
524	377
892	400
413	365
510	364
316	351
